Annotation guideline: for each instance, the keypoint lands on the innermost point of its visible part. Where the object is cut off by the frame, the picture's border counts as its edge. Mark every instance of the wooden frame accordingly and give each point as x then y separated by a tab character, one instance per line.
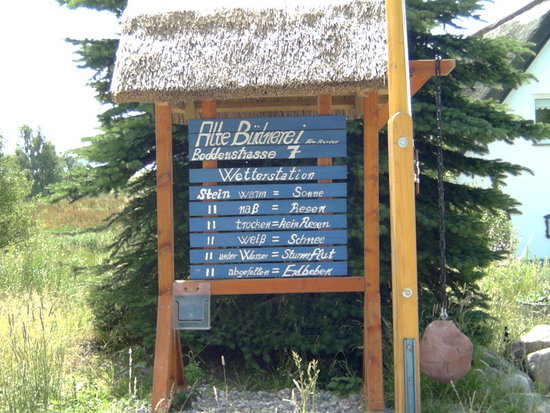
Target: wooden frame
372	335
375	109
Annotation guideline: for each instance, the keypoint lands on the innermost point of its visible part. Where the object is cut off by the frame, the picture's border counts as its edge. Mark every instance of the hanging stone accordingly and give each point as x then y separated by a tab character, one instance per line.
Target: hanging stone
445	353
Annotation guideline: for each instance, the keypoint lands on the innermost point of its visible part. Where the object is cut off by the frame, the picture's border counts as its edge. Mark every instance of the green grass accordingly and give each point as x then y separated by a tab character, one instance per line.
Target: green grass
509	284
84	213
51	360
478	391
52	263
36	338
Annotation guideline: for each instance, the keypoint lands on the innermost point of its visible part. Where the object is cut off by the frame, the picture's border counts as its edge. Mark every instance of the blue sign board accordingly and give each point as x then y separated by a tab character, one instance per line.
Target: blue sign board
259	239
251	153
273	191
234	255
268	223
268	174
268	138
285	270
273	221
275	206
213	126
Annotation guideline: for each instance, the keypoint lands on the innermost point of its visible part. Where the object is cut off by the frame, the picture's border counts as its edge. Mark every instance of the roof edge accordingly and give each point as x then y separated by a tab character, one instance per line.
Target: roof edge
528	6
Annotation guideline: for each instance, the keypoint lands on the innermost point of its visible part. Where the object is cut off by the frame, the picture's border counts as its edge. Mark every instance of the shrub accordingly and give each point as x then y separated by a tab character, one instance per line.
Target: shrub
16	220
509	284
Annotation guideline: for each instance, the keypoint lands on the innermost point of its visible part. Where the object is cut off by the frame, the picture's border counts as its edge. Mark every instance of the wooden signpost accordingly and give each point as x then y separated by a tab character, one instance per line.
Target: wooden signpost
284	206
245	259
281	228
263	191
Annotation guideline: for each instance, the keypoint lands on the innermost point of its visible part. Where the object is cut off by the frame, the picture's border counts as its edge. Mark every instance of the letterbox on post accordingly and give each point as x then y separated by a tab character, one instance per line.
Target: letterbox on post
192	307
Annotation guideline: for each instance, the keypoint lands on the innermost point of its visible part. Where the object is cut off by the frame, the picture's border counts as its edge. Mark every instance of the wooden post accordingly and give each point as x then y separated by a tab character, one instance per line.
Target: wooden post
402	212
324	107
168	367
372	340
177	374
208	110
324	104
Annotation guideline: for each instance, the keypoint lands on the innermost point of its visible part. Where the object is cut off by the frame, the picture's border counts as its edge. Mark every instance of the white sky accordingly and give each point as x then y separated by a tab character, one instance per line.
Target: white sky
40	84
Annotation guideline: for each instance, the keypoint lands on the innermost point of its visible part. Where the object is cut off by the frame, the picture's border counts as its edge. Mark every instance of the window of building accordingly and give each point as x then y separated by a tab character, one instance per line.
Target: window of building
542	110
542	114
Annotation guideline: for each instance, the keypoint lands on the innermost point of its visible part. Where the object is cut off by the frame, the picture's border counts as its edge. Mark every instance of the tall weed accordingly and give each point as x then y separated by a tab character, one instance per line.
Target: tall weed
83	213
33	352
509	284
49	358
56	263
47	362
306	385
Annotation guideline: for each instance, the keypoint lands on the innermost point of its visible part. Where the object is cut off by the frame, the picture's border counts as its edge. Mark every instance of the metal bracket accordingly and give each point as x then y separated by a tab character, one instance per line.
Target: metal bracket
409	351
417	171
192	308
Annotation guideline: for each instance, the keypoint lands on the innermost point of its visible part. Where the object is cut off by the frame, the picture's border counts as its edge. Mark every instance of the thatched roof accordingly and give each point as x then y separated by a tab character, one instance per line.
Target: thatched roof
531	24
179	50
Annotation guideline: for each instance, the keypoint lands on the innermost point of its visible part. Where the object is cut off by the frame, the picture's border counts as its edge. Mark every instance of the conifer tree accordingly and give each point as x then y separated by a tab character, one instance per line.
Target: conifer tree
320	324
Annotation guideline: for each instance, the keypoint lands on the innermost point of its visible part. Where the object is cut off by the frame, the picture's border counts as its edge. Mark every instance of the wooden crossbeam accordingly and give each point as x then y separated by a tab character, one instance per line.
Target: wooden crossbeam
420	72
276	285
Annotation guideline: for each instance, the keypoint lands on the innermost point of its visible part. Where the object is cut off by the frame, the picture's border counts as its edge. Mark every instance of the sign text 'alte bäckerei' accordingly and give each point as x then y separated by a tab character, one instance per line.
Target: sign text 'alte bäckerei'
266	138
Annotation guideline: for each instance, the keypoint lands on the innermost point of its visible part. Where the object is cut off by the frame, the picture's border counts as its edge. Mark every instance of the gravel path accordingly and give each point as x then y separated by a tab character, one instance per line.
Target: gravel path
209	400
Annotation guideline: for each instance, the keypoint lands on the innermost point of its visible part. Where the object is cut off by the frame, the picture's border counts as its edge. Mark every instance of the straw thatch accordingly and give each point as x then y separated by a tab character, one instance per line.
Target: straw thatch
531	24
177	51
